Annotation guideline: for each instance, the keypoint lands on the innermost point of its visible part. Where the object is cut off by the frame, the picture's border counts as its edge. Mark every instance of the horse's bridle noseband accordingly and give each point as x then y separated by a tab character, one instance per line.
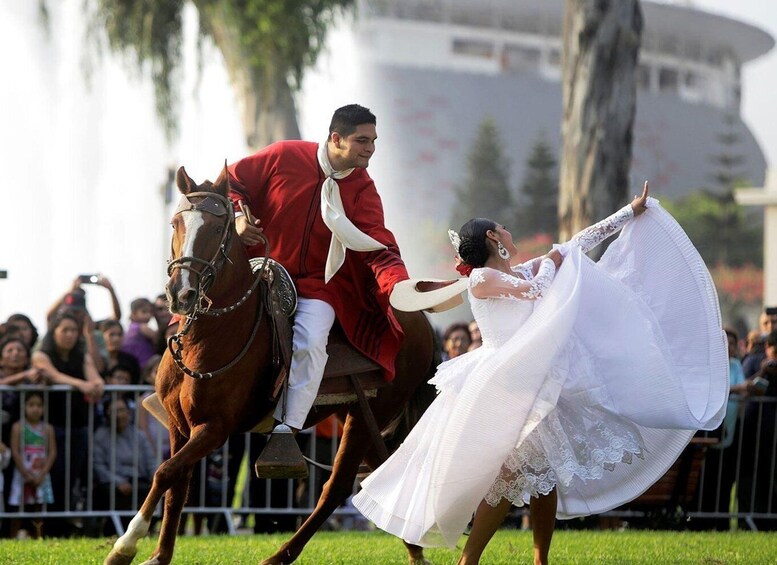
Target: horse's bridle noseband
217	205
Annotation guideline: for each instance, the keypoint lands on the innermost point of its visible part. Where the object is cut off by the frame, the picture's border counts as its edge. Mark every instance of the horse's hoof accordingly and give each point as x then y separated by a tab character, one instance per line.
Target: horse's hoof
116	558
418	561
154	561
281	558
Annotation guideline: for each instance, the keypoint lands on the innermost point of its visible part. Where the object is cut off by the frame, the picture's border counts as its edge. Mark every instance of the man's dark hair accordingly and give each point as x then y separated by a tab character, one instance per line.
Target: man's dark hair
13	318
345	120
456	326
109	323
120	367
771	339
33	394
139	303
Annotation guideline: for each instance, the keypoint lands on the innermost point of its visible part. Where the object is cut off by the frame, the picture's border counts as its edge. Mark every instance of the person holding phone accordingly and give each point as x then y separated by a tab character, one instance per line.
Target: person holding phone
74	300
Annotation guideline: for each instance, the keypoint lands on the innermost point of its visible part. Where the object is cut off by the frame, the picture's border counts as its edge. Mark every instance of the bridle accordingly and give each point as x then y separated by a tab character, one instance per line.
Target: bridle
217	205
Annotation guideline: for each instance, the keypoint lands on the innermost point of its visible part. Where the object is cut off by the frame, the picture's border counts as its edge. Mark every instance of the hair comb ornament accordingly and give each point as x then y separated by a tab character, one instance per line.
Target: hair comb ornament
463	268
455	239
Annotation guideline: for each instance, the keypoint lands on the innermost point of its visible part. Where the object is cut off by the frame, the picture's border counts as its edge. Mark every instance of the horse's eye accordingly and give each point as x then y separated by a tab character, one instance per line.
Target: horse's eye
219	229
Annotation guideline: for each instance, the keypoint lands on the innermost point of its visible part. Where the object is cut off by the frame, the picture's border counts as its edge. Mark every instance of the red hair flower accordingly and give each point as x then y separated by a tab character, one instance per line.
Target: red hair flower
463	268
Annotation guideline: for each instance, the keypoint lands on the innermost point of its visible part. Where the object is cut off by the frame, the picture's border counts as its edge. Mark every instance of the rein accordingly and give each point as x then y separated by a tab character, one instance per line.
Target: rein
220	207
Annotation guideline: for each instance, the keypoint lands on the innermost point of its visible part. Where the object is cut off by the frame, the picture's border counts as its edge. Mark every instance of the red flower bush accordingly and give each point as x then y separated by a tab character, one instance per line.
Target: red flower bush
743	285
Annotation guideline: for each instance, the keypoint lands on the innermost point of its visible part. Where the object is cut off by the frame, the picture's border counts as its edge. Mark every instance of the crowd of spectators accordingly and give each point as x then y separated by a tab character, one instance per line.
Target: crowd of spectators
740	467
45	434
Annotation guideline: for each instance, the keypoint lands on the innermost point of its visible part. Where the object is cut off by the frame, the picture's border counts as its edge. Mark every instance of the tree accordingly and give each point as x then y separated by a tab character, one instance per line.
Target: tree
266	44
718	229
538	212
486	193
601	44
720	223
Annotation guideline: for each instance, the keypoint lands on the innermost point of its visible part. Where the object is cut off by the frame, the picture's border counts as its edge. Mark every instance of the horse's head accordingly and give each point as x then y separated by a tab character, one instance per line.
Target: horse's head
203	229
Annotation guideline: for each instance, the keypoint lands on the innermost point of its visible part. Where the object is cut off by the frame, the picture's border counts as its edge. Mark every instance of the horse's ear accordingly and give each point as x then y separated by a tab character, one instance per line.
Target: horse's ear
184	182
222	182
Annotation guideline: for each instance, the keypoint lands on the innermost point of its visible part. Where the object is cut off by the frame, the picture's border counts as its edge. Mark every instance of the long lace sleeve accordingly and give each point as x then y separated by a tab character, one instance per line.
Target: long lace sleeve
490	283
529	269
592	236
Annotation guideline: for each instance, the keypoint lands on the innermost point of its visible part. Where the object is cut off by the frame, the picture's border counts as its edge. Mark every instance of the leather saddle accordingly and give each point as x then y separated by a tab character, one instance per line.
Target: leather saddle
344	361
348	376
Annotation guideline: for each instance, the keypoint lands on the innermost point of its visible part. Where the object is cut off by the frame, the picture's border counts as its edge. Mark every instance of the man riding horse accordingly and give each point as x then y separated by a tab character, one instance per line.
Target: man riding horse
324	221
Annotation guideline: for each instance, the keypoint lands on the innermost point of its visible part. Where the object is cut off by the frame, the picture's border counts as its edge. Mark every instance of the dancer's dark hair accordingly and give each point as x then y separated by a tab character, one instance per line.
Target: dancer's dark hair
472	247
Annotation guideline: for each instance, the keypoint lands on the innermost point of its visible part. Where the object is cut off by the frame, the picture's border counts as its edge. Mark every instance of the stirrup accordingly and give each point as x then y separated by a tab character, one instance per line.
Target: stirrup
281	458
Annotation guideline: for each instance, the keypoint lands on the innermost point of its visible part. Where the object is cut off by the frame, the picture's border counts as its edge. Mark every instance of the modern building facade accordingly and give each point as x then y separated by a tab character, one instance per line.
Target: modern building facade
438	68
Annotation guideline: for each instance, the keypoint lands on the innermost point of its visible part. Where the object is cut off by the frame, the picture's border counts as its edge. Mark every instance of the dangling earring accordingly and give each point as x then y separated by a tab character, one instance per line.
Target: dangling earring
502	250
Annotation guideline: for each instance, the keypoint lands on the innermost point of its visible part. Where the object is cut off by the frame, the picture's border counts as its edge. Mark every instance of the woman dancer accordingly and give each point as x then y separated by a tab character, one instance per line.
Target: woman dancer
591	380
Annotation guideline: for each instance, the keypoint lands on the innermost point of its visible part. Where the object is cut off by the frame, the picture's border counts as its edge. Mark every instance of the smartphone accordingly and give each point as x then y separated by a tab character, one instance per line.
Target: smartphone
760	384
88	279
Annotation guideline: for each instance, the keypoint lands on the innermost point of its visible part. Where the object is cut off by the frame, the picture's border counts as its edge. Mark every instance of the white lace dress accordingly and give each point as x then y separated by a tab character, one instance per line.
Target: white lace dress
590	380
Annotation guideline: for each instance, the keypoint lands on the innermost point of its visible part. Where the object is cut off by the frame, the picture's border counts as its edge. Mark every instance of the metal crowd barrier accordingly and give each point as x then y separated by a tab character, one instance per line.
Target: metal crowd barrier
218	494
745	455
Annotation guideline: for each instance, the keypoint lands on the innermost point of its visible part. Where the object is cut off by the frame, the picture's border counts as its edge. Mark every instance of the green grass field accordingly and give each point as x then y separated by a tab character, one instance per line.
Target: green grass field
352	548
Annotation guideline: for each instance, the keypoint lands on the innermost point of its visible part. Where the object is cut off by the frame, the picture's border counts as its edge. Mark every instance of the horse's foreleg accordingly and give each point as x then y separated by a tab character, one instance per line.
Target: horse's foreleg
174	476
125	548
174	502
354	444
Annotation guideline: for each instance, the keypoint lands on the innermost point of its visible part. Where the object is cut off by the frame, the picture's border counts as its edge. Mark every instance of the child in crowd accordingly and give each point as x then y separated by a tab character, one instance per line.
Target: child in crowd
34	450
118	375
140	339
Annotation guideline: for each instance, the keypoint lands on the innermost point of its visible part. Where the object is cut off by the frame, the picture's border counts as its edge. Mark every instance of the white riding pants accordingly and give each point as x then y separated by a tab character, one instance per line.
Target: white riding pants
312	322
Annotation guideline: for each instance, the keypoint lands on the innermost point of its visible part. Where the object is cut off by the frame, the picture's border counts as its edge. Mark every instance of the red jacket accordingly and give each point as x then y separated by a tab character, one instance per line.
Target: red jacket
282	186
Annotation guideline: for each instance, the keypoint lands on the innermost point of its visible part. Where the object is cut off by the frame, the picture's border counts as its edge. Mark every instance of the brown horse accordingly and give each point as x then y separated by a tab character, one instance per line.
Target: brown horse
221	380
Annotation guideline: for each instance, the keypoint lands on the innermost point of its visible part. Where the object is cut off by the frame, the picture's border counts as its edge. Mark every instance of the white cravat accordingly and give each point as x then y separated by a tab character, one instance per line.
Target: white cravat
344	233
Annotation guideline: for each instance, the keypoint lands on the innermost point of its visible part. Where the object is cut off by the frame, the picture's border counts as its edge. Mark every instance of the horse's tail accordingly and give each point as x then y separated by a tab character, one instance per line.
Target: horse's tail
423	396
